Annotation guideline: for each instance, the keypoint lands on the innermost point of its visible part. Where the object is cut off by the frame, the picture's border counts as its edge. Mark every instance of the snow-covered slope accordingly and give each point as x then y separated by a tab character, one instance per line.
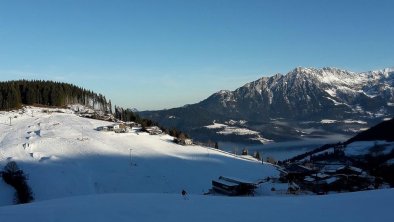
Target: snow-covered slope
65	156
80	174
358	206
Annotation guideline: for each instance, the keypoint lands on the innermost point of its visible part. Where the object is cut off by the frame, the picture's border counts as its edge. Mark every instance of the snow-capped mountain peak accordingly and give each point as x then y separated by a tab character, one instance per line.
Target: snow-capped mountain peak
303	95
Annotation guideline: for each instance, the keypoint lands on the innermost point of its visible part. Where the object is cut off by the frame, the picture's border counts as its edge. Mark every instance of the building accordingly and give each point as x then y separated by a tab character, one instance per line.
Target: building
186	142
154	130
233	187
121	128
132	124
297	172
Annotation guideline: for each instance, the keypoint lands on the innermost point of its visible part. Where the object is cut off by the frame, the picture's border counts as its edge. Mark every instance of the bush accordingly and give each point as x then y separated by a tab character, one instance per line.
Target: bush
15	177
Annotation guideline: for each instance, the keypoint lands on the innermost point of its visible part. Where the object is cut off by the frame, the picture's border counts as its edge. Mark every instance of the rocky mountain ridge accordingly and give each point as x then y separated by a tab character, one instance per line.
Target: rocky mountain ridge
304	102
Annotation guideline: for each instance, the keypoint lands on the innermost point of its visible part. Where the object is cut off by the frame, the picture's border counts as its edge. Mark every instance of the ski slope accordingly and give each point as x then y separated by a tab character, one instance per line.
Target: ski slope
359	206
64	156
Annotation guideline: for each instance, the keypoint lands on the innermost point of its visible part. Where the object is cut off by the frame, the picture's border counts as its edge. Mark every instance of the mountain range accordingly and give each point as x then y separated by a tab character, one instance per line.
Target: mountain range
304	103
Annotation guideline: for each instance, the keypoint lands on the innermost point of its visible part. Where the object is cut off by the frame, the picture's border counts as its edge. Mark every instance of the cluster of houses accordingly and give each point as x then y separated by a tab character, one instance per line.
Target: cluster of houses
336	177
120	127
153	130
183	141
126	127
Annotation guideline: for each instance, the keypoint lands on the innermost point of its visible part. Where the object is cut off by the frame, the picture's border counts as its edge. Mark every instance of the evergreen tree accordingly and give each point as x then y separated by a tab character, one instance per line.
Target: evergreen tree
15	93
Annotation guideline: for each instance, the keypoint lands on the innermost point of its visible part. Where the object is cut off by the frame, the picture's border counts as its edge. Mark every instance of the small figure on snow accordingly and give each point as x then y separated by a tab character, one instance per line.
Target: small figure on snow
184	195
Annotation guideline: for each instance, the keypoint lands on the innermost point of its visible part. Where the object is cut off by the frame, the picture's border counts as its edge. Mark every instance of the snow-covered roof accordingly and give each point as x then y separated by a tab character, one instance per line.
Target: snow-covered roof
355	169
331	180
235	179
364	147
309	179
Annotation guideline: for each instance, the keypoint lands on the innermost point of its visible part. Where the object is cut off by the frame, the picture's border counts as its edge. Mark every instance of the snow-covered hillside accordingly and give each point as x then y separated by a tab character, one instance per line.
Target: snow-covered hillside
64	155
358	206
80	174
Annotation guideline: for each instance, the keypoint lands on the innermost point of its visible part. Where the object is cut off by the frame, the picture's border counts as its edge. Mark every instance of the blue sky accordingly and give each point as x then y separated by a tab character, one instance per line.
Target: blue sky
162	54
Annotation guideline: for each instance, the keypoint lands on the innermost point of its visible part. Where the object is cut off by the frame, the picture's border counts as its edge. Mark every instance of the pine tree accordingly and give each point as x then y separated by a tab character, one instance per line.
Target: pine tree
15	93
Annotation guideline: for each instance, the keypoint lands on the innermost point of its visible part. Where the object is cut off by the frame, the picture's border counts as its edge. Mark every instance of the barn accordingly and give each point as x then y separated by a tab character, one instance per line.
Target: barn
233	186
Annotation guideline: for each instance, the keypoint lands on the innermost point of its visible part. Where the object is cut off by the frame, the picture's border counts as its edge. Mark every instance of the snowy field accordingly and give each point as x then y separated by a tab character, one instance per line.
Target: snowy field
65	156
358	207
233	130
80	174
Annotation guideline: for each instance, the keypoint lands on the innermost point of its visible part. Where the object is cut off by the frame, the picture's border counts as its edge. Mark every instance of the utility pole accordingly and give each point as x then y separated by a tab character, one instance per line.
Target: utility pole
131	160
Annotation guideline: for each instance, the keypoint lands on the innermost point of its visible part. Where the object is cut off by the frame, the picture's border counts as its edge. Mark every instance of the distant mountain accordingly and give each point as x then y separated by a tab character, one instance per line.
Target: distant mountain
306	102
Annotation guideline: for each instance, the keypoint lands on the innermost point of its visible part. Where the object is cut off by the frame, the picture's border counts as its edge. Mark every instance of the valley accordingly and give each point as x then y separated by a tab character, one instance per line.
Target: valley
73	165
304	103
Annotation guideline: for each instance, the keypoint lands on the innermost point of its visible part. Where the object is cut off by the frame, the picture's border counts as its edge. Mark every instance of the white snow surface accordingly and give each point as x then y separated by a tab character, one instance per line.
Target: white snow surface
390	161
80	174
233	130
328	121
65	156
364	147
356	206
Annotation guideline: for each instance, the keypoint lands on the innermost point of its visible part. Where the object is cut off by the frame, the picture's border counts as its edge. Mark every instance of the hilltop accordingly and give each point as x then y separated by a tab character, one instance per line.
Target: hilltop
58	149
14	94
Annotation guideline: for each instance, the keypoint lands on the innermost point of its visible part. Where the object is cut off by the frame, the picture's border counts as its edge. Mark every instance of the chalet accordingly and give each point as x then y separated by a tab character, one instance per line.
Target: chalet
296	171
132	124
349	170
154	130
186	142
233	187
120	128
318	183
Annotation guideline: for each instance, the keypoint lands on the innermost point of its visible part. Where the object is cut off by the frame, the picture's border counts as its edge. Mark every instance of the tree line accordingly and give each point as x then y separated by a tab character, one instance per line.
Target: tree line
14	94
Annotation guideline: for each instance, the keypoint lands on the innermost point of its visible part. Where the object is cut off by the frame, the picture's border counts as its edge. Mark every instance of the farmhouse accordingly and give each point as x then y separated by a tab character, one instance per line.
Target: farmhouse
296	171
349	170
186	142
233	187
132	124
117	128
121	128
154	130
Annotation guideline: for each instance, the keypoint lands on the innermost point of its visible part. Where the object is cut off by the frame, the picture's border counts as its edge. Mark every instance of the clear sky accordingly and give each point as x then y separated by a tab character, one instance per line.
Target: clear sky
162	54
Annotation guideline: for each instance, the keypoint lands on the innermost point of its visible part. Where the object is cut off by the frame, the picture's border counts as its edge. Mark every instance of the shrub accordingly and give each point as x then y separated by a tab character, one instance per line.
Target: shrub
15	177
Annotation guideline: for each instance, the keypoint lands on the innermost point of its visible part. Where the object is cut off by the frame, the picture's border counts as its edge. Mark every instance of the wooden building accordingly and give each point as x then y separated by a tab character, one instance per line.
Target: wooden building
233	187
